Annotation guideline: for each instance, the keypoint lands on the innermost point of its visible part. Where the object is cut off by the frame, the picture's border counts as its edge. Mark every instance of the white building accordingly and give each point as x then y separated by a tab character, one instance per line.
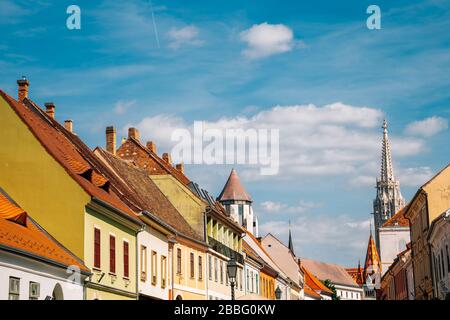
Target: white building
238	203
439	239
346	287
394	236
153	264
33	265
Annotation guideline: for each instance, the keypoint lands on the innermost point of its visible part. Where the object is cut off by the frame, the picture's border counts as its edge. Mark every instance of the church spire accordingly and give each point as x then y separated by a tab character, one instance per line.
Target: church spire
373	262
291	244
387	170
389	199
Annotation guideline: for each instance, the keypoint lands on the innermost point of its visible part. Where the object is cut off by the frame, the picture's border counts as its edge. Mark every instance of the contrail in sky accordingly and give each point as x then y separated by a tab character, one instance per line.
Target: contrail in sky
154	24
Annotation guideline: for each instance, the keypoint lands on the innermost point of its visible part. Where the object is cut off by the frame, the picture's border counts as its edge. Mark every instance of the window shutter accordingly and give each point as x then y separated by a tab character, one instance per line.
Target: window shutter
126	270
112	254
97	248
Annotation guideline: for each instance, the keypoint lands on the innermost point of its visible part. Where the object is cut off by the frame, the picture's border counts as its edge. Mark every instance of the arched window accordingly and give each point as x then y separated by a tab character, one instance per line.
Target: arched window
58	292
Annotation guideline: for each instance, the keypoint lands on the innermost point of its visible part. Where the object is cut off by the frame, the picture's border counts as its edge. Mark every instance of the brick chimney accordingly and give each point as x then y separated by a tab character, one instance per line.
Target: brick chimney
50	109
111	139
151	146
167	158
134	133
23	88
180	167
68	124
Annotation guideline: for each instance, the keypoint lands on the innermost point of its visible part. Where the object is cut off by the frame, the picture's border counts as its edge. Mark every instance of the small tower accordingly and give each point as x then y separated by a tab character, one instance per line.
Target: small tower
372	269
388	199
238	203
291	244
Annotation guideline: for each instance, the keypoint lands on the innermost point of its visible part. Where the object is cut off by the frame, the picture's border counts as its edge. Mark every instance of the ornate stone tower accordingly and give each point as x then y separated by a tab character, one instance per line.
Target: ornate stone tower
389	198
238	203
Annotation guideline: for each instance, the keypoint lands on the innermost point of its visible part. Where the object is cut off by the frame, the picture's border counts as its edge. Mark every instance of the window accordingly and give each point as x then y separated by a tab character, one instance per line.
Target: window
154	267
14	288
240	279
192	265
210	267
248	279
200	268
143	263
97	245
241	214
163	271
112	254
34	290
221	271
227	209
126	259
179	261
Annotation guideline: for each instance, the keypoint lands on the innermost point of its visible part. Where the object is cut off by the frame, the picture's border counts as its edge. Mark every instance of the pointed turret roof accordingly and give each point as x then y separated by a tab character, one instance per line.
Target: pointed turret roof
233	189
291	244
373	262
387	170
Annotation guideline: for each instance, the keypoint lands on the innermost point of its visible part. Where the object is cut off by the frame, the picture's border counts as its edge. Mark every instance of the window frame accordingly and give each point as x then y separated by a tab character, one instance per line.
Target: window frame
144	263
112	254
154	267
97	248
11	293
126	259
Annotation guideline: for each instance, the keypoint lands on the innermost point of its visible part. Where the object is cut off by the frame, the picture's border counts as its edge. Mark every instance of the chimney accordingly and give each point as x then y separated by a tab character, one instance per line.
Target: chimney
23	88
133	133
180	167
151	146
68	124
50	109
111	139
167	158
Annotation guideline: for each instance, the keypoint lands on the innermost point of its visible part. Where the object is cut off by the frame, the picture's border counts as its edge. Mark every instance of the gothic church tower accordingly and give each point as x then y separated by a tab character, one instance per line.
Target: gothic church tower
389	198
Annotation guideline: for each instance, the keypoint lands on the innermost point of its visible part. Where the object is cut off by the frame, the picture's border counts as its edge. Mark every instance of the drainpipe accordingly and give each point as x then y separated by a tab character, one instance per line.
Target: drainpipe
137	260
172	242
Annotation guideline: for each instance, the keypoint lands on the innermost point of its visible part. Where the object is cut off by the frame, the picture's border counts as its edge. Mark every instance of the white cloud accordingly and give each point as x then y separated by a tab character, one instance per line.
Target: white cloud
332	140
267	39
415	177
427	127
122	107
328	238
184	36
282	208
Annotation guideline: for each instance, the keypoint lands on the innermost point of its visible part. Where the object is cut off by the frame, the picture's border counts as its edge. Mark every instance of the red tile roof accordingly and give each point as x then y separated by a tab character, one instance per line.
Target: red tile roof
398	219
312	282
233	189
18	232
69	151
138	190
373	261
310	292
333	272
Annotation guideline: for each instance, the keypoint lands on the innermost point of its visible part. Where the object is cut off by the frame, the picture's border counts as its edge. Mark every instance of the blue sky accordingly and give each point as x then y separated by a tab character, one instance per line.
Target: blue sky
332	79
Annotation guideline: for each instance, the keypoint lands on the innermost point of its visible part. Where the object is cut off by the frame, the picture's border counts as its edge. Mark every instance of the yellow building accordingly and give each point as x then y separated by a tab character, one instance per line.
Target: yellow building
47	168
186	277
429	202
221	235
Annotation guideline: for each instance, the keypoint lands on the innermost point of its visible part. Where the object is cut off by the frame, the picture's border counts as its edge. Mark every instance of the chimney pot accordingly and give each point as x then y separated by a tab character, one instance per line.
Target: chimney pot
50	109
23	88
167	158
151	146
111	139
180	167
68	124
133	133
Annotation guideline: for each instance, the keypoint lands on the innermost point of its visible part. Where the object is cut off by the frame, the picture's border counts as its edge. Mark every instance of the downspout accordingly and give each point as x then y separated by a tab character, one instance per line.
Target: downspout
171	243
205	222
137	260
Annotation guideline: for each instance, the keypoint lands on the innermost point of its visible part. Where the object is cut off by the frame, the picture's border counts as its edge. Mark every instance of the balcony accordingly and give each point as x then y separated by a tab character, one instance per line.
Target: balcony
225	250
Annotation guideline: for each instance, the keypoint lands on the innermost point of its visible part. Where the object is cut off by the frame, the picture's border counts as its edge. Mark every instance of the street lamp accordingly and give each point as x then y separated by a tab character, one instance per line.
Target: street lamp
232	269
278	293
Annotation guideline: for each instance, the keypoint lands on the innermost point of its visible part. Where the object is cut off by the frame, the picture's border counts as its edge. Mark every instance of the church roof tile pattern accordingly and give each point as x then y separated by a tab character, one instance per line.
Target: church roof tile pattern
233	189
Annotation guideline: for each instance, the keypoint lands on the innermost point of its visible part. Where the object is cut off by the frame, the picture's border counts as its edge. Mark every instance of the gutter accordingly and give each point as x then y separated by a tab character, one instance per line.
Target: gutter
39	258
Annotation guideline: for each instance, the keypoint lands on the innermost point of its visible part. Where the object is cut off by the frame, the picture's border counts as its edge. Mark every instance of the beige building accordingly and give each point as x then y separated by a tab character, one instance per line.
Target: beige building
429	202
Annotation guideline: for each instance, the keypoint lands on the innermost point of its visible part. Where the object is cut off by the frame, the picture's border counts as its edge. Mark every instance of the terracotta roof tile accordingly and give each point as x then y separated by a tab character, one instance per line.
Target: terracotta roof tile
335	273
312	282
138	188
398	219
28	237
68	150
310	292
233	189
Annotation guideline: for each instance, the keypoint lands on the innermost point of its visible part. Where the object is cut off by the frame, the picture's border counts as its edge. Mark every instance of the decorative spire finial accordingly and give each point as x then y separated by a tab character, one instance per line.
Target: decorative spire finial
291	244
